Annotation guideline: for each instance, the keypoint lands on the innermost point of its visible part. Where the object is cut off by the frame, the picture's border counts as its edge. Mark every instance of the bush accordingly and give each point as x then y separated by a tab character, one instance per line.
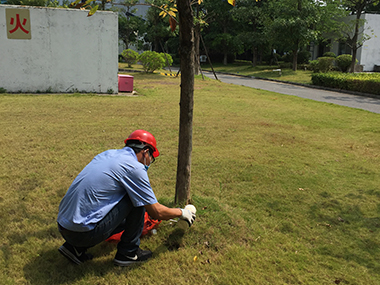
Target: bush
286	65
314	65
325	64
302	57
344	61
360	82
329	54
168	58
130	56
151	61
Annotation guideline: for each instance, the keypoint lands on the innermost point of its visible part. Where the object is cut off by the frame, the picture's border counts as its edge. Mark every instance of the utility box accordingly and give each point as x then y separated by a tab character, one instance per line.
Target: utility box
125	83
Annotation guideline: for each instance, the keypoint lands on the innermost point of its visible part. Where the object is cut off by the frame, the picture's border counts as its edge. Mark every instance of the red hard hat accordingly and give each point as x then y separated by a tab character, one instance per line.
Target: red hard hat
145	137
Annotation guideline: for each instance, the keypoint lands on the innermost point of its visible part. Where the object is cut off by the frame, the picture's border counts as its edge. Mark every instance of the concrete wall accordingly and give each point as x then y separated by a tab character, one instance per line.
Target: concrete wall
370	51
369	54
67	52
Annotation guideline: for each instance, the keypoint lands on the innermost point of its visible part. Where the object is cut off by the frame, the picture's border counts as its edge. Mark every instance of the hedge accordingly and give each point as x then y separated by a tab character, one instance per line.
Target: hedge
360	82
151	61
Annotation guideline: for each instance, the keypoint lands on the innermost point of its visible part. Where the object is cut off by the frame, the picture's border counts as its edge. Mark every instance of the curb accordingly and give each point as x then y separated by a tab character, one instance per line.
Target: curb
129	70
304	85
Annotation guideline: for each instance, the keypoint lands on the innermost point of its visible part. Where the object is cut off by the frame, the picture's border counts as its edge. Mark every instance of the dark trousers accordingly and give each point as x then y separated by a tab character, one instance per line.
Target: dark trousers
124	216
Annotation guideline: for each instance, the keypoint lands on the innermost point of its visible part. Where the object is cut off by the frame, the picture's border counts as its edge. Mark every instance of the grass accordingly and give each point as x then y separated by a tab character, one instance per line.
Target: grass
139	68
287	189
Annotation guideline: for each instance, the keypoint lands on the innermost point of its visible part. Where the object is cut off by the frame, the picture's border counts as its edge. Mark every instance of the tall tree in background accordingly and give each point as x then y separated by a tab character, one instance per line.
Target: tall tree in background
131	28
294	23
251	15
221	31
157	29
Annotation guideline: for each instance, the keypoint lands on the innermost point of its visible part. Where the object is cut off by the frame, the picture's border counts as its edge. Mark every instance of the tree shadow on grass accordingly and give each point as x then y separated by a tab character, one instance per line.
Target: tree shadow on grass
50	267
345	219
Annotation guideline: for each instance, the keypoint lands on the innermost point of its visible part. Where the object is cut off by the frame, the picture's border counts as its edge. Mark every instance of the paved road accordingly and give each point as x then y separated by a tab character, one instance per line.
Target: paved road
354	101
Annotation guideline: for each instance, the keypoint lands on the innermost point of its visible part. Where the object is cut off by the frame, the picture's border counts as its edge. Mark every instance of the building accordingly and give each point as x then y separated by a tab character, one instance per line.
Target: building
368	55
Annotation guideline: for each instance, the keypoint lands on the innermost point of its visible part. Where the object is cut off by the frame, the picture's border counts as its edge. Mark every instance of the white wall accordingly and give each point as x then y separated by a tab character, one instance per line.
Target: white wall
67	52
369	54
370	51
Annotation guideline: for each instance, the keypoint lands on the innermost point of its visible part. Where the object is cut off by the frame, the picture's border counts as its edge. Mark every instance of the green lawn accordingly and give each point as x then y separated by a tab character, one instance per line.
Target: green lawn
263	71
287	189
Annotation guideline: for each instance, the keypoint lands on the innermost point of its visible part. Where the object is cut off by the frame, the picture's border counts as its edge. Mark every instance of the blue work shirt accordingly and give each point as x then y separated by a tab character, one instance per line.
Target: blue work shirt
101	185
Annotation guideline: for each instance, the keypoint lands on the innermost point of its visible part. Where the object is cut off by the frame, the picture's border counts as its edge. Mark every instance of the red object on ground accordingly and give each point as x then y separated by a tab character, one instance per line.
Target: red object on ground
149	224
125	83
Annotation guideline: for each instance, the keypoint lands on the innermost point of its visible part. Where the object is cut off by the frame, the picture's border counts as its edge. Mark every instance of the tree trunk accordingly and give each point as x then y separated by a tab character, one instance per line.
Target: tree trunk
355	41
254	57
186	48
295	55
197	32
225	49
126	43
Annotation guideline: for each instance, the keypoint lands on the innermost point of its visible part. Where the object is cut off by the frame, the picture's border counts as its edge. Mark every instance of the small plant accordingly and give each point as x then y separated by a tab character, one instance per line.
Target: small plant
329	54
110	91
361	82
344	62
168	58
325	64
314	65
3	90
151	61
130	56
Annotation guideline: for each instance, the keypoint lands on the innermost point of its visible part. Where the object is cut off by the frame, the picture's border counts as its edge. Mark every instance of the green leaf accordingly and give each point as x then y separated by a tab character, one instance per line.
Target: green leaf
92	11
74	3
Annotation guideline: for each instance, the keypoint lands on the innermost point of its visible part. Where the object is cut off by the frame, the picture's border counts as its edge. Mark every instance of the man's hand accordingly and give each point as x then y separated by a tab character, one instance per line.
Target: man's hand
188	216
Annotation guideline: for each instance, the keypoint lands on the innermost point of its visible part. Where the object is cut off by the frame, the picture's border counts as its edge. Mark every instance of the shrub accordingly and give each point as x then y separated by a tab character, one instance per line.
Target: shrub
151	61
286	65
168	58
360	82
130	56
344	61
302	57
314	65
325	64
329	54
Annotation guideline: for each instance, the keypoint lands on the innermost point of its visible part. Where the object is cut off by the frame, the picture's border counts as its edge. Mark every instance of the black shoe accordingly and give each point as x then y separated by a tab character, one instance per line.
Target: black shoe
138	256
74	254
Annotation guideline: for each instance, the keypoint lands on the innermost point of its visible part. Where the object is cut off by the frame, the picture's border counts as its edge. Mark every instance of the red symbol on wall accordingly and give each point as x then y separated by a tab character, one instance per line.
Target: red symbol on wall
19	25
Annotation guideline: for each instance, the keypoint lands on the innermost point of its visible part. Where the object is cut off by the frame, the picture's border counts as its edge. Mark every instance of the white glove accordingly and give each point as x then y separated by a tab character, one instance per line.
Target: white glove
188	216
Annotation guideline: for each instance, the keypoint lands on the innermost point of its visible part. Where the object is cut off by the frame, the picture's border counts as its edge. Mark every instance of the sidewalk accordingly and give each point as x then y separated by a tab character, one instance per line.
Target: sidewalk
367	102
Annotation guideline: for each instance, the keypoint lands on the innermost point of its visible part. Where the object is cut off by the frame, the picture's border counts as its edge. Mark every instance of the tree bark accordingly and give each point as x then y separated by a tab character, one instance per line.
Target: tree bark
225	49
197	32
295	55
254	56
355	40
186	48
